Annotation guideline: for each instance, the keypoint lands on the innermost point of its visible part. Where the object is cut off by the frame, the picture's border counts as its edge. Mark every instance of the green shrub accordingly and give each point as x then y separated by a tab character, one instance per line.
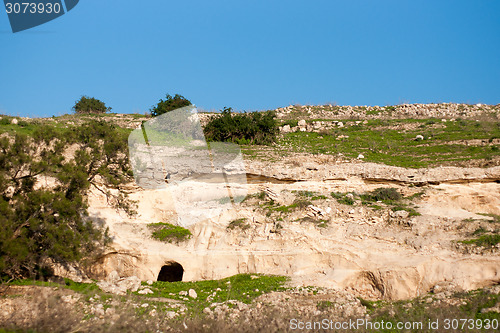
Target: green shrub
291	123
310	194
485	240
5	120
385	194
411	211
260	128
90	105
239	223
169	104
167	232
342	198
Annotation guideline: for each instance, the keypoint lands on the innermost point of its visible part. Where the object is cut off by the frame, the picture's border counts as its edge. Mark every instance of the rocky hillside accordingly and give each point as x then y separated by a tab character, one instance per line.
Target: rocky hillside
376	213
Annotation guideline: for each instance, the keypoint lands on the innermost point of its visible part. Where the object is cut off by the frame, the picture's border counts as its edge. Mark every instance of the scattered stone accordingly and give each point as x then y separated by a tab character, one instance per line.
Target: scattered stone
14	121
192	293
302	123
360	156
145	291
401	213
419	138
120	286
183	293
113	277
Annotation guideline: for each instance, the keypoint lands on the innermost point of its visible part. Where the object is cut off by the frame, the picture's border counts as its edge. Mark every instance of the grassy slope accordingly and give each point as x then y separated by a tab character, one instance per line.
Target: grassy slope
379	141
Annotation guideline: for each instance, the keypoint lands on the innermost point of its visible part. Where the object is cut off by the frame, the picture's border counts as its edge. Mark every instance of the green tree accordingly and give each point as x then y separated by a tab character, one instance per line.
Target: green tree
42	224
90	105
259	128
169	104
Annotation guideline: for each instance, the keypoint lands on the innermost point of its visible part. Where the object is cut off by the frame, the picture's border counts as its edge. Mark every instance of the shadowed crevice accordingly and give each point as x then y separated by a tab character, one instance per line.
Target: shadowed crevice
171	272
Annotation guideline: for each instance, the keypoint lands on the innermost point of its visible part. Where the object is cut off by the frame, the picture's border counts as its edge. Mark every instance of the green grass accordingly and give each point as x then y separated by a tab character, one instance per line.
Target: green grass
167	232
342	198
420	310
380	142
241	287
310	195
297	204
324	305
496	218
483	241
411	211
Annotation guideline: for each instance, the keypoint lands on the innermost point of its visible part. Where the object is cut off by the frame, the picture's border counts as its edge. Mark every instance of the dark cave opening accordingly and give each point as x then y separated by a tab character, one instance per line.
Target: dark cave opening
171	272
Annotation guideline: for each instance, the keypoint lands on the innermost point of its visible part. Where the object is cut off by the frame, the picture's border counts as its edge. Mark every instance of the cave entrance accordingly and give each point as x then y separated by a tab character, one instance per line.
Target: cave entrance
171	272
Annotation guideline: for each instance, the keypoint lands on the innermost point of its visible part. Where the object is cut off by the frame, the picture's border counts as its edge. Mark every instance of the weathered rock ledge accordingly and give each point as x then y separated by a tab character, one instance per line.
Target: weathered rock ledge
373	172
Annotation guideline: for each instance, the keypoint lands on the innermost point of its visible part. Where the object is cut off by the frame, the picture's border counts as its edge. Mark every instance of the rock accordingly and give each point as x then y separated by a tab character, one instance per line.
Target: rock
171	314
360	156
14	121
183	293
401	213
302	123
149	282
121	286
131	283
145	291
286	129
419	138
444	286
98	310
113	277
192	293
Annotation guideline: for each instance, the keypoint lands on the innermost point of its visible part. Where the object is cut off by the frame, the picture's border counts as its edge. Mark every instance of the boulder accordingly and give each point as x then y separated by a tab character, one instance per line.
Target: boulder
192	293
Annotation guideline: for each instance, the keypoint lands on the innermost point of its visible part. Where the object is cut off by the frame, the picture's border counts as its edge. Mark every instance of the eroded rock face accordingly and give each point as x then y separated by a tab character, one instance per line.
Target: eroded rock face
374	254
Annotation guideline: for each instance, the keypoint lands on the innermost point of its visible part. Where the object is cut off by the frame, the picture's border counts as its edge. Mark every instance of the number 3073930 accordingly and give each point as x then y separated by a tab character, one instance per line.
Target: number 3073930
32	8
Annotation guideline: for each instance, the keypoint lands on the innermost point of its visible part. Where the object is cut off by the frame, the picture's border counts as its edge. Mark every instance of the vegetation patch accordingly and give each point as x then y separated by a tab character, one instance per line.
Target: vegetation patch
297	204
309	195
239	224
344	198
241	287
383	194
167	232
392	142
324	305
410	210
483	241
256	128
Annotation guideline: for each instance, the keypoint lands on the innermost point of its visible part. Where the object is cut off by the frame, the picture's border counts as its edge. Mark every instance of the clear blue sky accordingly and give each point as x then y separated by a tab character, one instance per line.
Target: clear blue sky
253	55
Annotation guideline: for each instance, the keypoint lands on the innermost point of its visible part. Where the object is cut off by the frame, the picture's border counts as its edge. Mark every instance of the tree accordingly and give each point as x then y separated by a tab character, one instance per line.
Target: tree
169	104
42	225
258	128
90	105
